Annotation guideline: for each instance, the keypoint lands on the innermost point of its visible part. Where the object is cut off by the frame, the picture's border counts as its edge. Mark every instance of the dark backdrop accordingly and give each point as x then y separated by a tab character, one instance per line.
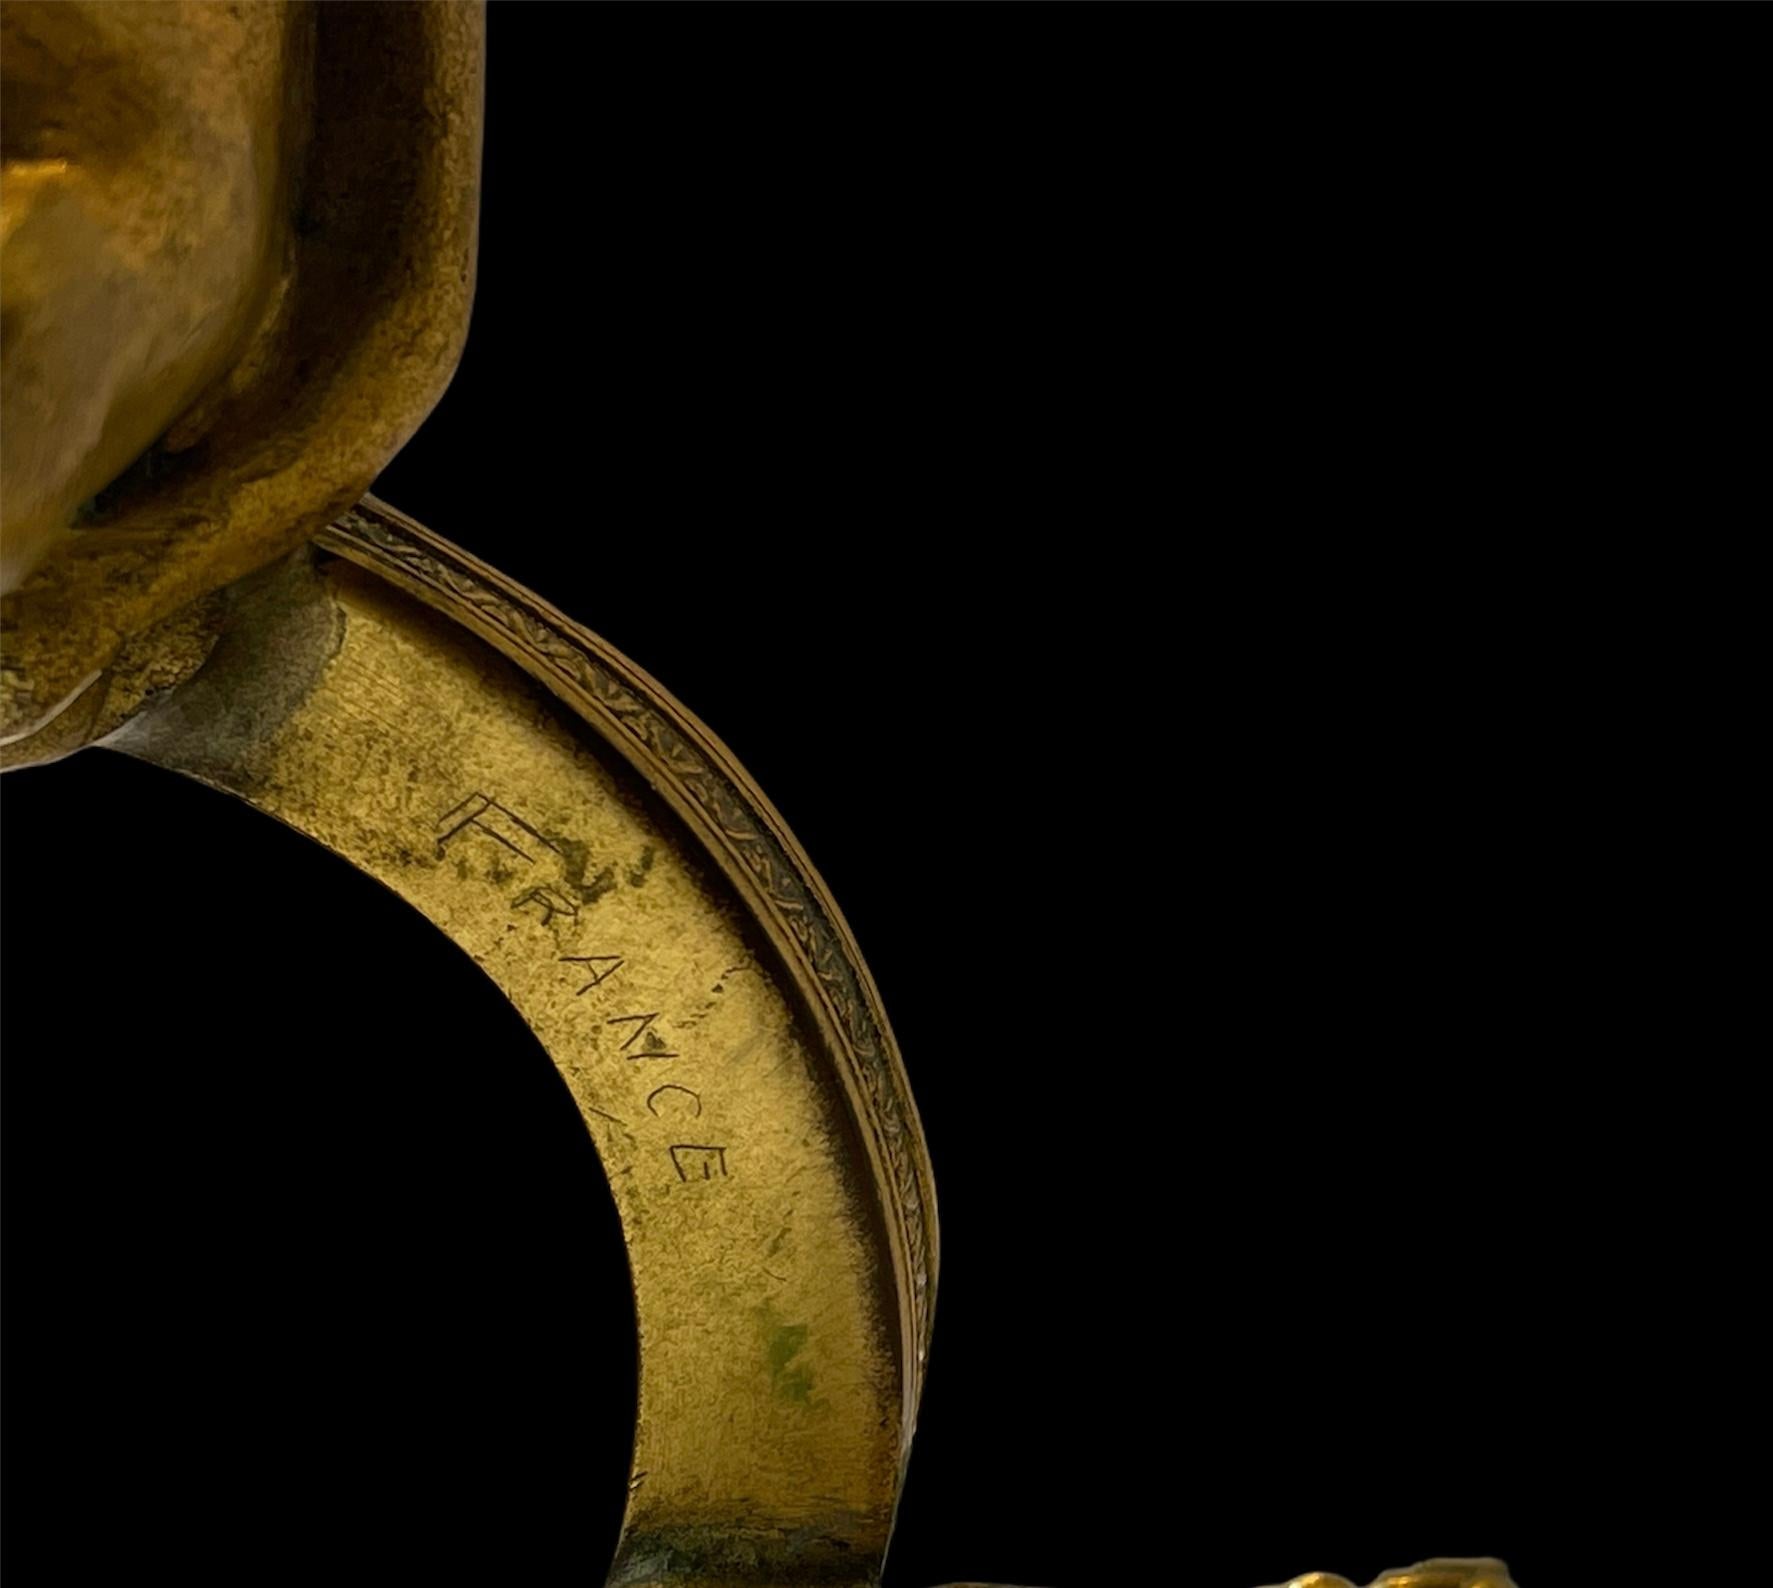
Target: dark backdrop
855	387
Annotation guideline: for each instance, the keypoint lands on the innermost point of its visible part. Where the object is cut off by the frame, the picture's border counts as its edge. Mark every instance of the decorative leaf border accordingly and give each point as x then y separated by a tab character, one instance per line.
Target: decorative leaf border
675	750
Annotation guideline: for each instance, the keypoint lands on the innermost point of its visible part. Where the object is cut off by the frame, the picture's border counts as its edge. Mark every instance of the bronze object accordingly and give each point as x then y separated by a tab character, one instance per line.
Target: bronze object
194	576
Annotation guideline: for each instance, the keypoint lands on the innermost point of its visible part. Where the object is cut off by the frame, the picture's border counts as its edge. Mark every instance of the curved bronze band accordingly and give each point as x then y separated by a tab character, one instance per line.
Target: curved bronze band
231	298
684	968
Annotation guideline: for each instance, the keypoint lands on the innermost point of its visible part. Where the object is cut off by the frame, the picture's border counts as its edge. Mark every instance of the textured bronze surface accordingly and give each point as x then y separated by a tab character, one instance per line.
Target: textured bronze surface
702	781
600	856
1442	1572
236	269
292	315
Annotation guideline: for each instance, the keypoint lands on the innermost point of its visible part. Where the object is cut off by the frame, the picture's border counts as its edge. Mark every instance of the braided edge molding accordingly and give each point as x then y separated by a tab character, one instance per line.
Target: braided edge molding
688	765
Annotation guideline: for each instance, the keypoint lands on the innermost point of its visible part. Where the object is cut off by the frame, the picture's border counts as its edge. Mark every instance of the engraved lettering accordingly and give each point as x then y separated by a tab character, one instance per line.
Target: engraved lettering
550	902
652	1045
603	966
671	1086
693	1162
486	815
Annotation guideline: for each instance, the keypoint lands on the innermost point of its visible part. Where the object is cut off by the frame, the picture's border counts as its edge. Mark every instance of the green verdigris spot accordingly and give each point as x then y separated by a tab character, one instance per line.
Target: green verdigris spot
791	1380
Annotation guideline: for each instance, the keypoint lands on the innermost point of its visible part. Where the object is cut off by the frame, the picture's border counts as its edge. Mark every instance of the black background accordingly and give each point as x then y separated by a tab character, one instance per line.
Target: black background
866	392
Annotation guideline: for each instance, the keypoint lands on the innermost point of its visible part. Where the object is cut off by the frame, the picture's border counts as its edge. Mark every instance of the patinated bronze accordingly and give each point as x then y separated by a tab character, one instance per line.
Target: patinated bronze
1445	1572
238	261
222	311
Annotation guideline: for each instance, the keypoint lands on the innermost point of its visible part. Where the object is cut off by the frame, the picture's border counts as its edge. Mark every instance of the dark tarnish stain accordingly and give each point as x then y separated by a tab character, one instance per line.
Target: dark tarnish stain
462	868
838	1550
280	630
637	873
577	856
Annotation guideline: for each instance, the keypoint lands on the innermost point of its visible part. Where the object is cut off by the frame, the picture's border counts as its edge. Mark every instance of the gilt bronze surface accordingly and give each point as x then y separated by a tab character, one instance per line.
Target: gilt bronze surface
237	267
